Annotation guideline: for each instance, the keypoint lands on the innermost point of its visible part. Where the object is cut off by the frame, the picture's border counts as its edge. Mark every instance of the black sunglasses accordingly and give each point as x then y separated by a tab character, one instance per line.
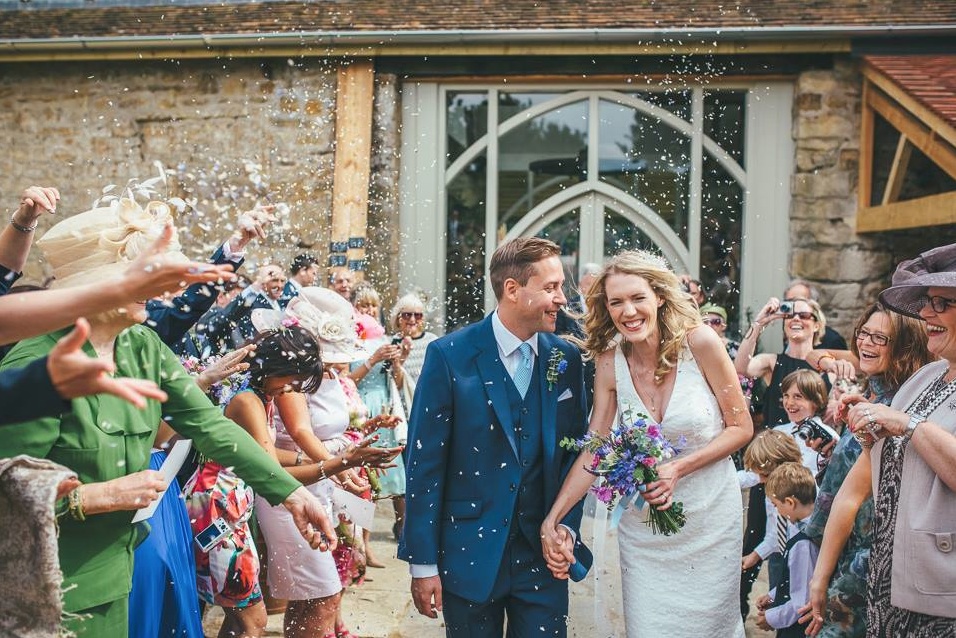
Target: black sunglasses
409	315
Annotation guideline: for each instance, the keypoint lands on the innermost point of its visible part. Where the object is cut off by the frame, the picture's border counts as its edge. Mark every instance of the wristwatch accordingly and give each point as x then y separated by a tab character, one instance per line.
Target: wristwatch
915	420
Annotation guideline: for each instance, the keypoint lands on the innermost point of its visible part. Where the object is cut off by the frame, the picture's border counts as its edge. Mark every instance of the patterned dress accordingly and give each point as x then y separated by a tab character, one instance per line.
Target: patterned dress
846	596
883	619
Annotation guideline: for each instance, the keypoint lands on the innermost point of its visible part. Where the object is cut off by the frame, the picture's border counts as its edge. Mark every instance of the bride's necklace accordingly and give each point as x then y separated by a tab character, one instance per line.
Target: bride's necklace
651	383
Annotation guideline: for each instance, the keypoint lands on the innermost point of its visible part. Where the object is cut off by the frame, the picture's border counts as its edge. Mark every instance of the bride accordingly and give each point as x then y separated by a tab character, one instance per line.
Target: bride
654	358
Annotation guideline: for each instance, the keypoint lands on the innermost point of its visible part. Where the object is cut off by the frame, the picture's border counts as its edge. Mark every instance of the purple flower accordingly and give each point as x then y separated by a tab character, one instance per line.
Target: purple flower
653	431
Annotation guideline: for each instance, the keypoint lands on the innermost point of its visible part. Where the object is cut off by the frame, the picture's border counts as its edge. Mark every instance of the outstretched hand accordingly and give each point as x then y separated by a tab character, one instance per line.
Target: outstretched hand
76	374
154	273
557	545
35	201
252	225
224	367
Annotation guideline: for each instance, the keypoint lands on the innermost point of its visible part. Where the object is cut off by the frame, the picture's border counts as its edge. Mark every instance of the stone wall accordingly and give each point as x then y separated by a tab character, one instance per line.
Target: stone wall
848	269
231	132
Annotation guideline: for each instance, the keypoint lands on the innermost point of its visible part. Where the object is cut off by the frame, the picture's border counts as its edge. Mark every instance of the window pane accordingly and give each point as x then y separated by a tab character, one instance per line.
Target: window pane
675	101
465	256
466	122
510	104
620	234
540	158
566	233
721	235
724	113
647	159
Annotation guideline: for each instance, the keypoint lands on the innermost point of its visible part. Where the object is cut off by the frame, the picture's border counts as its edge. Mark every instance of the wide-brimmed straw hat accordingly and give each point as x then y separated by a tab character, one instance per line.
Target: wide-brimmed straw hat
98	244
934	268
326	315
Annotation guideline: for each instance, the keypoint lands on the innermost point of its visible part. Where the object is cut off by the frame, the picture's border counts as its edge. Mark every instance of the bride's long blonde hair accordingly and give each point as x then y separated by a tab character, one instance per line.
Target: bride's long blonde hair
675	316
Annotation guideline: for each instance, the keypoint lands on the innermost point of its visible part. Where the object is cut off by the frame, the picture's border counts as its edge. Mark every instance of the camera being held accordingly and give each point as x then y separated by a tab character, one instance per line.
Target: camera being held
387	364
786	308
814	428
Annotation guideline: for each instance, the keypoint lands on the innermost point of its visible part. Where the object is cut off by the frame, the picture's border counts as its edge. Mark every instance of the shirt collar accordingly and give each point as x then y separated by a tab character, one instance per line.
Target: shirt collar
507	341
295	284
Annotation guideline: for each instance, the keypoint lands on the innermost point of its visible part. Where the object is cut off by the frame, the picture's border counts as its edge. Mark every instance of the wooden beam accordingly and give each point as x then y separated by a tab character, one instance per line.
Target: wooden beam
355	93
932	121
925	139
901	162
865	183
934	210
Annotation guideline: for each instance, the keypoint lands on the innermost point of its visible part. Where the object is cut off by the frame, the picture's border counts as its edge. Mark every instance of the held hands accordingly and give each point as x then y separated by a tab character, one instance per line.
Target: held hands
310	519
557	545
426	593
762	621
154	273
75	374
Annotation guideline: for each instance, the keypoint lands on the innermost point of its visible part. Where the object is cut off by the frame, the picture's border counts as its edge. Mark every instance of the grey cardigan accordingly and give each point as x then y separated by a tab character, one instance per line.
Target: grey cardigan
924	558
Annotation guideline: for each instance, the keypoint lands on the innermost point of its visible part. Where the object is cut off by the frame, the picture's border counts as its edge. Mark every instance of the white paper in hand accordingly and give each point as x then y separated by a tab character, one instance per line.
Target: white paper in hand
359	511
174	460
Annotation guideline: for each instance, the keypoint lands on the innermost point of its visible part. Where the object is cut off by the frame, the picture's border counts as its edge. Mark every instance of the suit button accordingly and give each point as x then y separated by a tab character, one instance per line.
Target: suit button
526	463
504	522
524	410
513	487
524	437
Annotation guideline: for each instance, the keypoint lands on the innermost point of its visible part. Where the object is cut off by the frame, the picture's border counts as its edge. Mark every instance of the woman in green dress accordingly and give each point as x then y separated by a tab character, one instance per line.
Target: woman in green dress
107	441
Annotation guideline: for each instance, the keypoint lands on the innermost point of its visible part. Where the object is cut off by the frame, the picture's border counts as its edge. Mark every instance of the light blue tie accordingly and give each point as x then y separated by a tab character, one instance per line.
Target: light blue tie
522	376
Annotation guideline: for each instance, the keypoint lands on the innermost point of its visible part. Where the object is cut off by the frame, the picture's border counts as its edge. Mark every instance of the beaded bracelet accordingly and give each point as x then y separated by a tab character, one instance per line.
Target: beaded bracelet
322	475
23	229
76	505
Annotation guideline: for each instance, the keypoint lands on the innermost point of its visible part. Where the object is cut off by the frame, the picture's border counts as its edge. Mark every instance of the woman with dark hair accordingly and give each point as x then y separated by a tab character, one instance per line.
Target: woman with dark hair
285	360
887	348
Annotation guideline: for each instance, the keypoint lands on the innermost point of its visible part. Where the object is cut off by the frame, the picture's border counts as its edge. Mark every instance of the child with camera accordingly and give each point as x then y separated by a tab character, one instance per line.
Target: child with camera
792	490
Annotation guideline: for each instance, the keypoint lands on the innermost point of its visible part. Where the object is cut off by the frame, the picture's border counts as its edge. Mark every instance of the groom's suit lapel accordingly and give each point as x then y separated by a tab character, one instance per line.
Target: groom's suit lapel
495	377
549	406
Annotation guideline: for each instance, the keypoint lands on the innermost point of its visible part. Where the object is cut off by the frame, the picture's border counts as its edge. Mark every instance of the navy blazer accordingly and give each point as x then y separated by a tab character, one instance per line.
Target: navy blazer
462	467
173	320
27	393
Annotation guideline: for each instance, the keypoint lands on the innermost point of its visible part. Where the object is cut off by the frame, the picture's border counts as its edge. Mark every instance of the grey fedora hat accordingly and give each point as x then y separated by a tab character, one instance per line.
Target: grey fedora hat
935	268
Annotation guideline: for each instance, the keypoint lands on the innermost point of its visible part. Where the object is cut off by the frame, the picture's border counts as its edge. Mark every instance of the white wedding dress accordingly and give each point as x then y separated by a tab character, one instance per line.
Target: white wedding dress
685	585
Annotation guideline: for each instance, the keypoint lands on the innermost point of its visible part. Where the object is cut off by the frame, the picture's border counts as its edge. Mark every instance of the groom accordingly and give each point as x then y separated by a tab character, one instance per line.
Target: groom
484	464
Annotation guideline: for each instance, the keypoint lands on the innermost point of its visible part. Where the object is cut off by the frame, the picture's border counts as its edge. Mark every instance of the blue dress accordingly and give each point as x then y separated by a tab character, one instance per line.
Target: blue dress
374	390
164	601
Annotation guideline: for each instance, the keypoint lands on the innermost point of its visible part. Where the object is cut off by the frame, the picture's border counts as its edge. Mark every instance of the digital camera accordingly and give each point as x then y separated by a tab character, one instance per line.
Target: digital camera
813	428
786	308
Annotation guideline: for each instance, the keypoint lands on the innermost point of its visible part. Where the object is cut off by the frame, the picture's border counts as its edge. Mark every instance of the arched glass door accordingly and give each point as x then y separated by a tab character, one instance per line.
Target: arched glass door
597	170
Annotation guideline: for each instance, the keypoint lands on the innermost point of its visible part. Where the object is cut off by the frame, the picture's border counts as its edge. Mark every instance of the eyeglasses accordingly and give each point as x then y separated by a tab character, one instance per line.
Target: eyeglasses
937	303
805	315
714	322
875	338
410	315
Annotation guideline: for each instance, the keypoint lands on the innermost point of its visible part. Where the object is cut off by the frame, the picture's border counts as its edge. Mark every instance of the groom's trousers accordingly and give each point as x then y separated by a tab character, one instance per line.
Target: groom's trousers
533	602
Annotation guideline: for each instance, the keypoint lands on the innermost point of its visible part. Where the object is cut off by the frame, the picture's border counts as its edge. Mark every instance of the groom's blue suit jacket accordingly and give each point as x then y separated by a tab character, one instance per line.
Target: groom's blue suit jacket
462	466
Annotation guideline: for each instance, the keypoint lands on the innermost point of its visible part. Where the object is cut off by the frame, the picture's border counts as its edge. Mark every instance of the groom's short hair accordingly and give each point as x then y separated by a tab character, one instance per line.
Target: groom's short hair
515	259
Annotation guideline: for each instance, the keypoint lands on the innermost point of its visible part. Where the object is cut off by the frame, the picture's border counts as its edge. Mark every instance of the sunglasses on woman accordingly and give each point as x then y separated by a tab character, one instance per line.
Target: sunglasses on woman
875	338
805	315
713	322
411	315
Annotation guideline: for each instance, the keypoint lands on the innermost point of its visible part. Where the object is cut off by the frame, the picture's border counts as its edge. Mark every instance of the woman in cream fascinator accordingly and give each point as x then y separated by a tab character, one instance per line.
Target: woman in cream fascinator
107	441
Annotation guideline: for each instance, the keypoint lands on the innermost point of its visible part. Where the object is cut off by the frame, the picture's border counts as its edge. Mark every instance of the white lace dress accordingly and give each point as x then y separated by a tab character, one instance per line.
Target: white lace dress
685	585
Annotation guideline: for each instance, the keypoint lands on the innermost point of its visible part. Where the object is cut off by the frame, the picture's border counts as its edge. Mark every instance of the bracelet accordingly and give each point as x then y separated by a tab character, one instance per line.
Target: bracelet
826	355
75	500
754	328
366	365
322	475
298	457
21	227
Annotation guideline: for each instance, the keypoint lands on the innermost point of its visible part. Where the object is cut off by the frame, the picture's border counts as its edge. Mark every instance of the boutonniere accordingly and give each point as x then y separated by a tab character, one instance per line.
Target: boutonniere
556	367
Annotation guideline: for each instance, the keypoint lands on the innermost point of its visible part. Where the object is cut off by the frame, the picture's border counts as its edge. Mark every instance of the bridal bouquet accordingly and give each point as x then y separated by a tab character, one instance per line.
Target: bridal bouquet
625	461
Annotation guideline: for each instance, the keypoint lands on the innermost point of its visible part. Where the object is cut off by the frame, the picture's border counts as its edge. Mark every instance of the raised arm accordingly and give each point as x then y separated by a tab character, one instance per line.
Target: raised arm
148	276
17	236
747	363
